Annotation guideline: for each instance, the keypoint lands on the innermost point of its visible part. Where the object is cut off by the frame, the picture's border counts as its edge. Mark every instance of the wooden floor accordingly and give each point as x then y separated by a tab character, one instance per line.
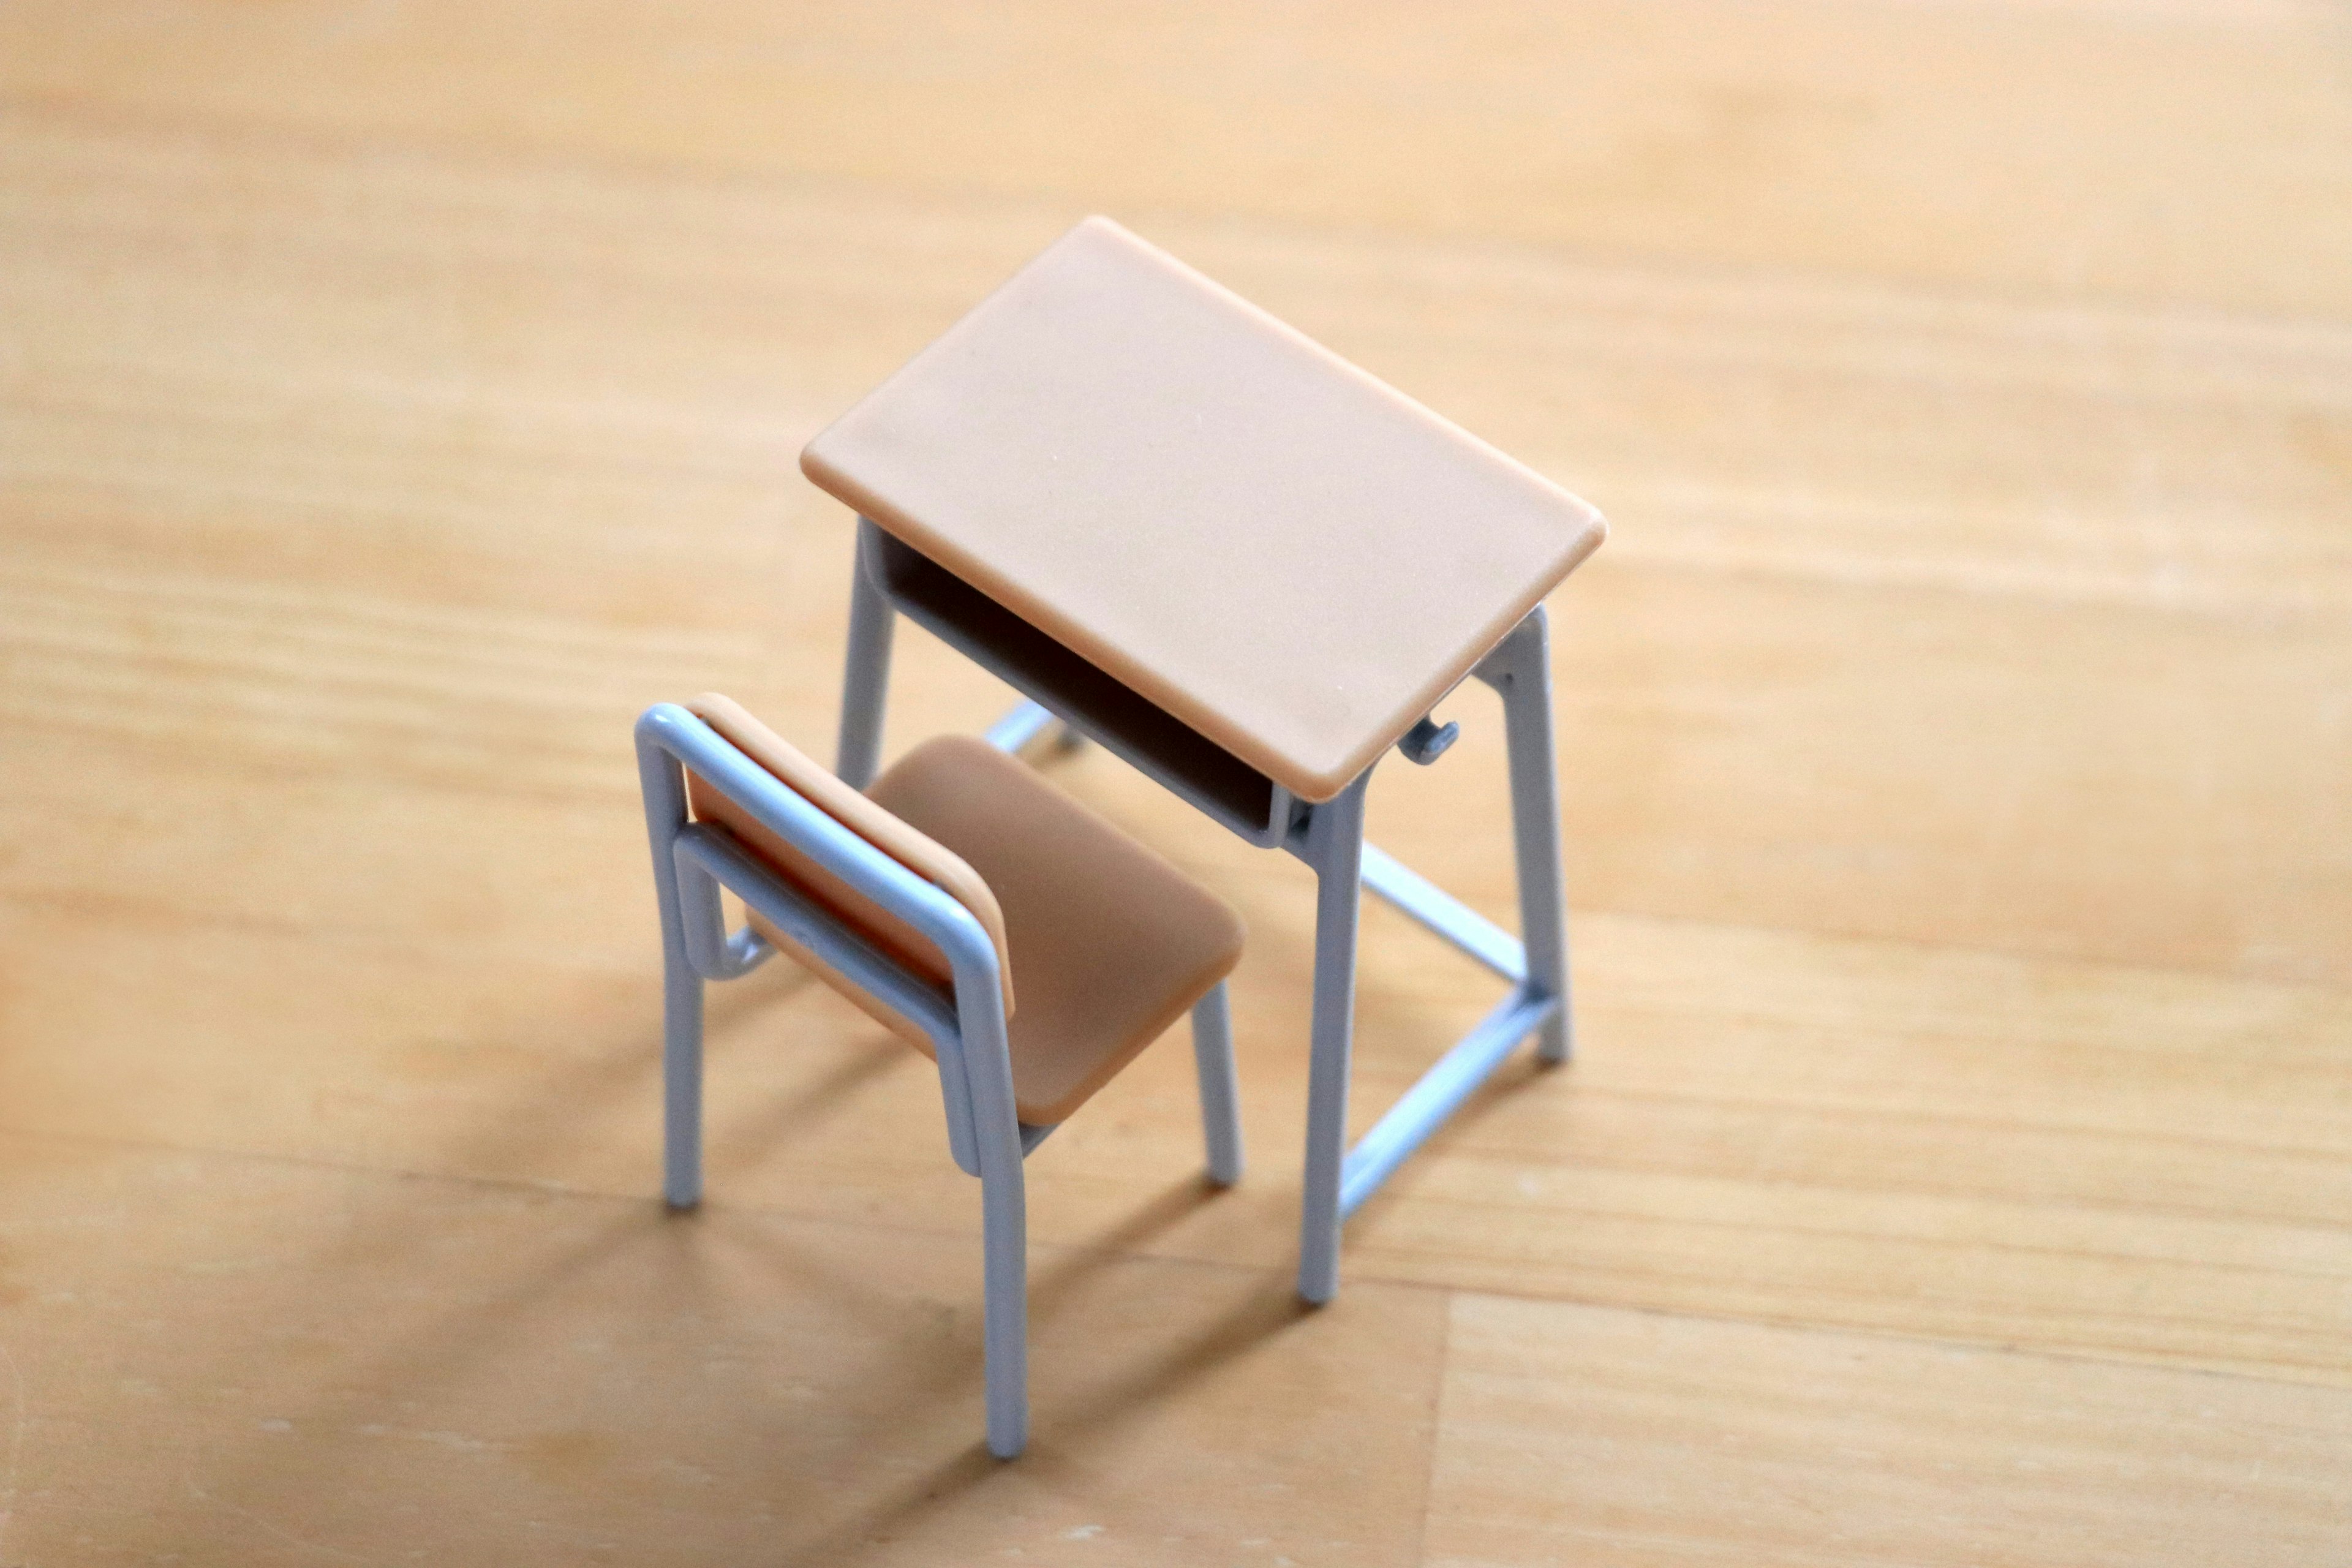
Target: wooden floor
395	398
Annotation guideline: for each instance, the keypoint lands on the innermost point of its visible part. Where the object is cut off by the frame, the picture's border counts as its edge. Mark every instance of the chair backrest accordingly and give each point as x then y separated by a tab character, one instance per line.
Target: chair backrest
853	908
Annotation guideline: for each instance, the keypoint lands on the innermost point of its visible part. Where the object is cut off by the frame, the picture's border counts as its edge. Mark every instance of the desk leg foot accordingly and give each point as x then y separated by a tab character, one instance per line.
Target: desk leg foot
1335	845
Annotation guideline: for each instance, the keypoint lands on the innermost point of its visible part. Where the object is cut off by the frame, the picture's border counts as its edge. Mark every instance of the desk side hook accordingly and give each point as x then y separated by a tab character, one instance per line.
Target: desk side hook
1426	741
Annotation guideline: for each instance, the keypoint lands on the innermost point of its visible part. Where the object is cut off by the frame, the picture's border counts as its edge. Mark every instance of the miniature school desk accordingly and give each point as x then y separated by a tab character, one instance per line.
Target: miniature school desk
1248	568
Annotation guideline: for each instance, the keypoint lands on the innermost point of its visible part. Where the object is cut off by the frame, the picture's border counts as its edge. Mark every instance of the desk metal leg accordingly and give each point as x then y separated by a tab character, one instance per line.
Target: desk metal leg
1521	671
1335	844
866	679
1337	1181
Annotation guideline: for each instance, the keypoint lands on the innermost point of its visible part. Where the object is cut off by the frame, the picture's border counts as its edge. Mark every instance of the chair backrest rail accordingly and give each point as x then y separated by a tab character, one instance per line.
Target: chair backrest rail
834	849
720	855
708	851
669	738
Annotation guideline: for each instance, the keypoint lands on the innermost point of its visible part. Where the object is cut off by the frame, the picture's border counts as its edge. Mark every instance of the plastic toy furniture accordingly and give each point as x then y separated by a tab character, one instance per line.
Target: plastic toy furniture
913	899
1248	568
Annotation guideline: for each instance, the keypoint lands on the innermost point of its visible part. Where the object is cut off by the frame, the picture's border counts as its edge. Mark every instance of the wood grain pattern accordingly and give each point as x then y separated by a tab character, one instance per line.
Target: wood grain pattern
2096	149
1574	1435
290	1364
394	400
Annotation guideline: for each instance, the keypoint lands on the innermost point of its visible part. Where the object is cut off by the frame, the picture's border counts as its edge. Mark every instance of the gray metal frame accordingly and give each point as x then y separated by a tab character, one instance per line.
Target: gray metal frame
1329	837
873	612
966	1027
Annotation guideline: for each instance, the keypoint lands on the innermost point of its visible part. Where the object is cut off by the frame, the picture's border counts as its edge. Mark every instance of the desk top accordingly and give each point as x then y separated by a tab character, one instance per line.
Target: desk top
1285	552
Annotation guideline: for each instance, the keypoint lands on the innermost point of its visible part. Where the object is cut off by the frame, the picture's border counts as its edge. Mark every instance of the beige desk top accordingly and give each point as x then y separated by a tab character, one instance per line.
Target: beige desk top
1285	552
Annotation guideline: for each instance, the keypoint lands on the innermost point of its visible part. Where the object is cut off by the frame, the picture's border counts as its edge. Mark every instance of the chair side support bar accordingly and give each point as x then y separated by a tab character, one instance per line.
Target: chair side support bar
716	853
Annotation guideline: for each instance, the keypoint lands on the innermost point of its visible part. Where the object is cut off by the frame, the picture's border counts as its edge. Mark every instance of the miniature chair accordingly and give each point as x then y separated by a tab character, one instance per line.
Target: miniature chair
911	899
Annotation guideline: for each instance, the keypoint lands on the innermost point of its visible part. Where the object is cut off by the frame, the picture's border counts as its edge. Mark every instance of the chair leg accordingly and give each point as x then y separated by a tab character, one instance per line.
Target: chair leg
1004	1231
1221	1112
681	1083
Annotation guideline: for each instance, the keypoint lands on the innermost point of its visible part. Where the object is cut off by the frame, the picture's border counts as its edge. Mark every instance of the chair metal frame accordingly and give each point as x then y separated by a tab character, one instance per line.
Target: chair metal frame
966	1024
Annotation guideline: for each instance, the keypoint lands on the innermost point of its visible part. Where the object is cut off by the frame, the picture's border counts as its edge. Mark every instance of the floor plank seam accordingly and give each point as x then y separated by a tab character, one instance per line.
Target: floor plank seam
1836	1329
652	1198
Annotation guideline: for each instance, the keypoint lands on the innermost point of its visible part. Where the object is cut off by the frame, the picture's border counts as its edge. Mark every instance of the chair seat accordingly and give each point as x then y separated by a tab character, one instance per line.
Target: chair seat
1110	943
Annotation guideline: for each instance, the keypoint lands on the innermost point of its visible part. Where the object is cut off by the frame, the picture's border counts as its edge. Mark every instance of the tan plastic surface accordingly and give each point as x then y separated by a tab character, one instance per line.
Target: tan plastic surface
1115	944
853	811
1288	554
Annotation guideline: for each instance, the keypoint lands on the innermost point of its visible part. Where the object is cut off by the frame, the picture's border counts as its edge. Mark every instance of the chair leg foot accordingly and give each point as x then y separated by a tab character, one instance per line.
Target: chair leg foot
1004	1225
1212	1055
682	1087
1317	1291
